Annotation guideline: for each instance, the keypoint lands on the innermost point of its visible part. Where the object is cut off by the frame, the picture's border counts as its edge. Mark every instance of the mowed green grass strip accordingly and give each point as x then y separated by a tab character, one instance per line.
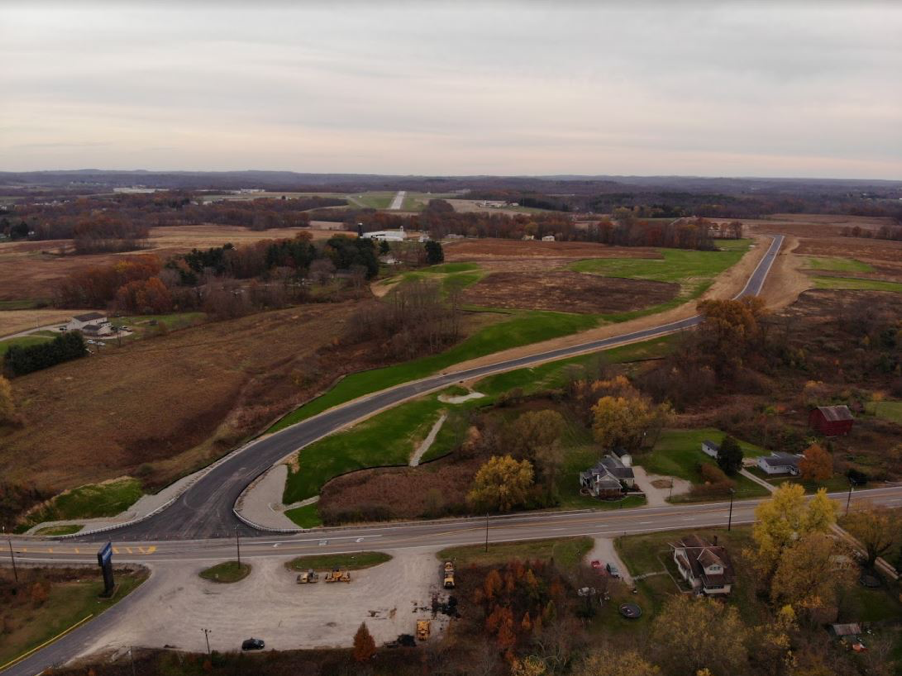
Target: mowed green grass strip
855	284
357	561
523	329
837	264
679	452
91	501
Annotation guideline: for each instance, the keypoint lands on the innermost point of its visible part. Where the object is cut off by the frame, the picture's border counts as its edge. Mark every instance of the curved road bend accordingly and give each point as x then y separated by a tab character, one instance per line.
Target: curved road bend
205	509
424	534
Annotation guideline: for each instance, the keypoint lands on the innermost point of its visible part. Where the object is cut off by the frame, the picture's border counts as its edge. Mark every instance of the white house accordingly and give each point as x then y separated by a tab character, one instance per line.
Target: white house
548	238
94	323
707	567
710	448
780	463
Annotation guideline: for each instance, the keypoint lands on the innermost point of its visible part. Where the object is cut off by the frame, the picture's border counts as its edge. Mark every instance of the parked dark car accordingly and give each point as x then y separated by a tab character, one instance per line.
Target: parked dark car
253	644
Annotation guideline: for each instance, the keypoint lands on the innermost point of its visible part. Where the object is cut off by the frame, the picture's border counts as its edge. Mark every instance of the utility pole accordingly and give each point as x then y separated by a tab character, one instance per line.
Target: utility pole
12	556
487	531
849	499
131	654
238	544
671	489
207	636
730	520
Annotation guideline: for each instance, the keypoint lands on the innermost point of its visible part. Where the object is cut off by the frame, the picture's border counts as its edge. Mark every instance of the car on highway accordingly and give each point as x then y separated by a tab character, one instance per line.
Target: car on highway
613	570
253	644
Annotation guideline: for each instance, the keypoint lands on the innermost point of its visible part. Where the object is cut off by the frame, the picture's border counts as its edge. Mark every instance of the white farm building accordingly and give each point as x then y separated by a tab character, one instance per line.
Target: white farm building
386	235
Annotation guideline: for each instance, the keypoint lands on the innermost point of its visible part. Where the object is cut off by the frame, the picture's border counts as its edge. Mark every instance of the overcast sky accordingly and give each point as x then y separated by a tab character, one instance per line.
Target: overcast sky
729	89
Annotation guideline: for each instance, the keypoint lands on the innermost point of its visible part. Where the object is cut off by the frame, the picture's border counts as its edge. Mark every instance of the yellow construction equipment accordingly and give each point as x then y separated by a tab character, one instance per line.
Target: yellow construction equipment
424	627
448	575
338	576
308	577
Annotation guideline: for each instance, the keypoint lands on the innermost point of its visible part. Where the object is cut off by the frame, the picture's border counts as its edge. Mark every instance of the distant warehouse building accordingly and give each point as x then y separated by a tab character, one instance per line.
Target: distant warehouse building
831	421
386	235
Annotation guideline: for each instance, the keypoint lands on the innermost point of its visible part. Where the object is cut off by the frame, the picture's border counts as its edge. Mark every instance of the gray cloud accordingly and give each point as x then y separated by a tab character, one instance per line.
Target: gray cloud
752	88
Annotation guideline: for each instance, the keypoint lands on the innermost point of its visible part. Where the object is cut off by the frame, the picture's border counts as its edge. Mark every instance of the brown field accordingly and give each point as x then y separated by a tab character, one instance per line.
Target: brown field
14	321
175	401
488	249
566	291
31	269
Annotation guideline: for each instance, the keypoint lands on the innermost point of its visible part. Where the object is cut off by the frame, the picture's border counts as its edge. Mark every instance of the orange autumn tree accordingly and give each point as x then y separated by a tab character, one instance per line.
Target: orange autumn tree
817	464
364	645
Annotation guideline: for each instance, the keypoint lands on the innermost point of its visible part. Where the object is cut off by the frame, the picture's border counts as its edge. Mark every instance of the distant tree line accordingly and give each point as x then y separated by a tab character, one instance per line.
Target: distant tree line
22	359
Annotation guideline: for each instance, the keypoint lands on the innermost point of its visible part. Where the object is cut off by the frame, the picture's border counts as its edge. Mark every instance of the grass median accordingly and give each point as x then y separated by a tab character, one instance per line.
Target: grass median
357	561
226	572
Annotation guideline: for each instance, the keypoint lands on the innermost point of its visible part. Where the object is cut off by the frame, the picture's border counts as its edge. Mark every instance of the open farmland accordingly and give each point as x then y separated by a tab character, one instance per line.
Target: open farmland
172	403
566	291
31	270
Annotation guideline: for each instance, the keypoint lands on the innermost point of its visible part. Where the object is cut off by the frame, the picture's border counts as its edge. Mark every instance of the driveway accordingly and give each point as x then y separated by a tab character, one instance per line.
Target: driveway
657	497
605	552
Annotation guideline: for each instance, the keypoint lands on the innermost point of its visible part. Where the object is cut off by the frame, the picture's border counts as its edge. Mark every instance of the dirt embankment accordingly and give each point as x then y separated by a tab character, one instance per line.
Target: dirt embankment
173	401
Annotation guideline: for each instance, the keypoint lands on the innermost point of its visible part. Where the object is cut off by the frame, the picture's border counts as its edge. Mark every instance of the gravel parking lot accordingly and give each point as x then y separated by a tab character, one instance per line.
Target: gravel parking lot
269	604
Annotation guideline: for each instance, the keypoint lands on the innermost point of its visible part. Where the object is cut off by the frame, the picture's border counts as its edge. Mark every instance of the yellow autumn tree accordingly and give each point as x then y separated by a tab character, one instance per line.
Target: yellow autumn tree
622	421
501	484
808	575
785	519
691	634
874	528
7	405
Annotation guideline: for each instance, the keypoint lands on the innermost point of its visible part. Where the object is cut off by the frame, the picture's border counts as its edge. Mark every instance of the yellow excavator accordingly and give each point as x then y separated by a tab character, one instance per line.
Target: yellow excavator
448	575
338	575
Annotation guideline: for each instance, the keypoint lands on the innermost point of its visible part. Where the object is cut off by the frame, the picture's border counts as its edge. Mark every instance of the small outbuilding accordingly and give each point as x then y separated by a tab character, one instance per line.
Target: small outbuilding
831	421
710	448
780	463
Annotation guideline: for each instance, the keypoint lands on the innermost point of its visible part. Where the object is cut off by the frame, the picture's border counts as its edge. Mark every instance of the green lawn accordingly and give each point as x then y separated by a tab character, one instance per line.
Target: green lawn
678	452
523	329
836	264
733	244
226	572
306	516
357	561
91	501
23	341
22	304
852	283
838	483
694	271
389	438
887	410
566	552
67	604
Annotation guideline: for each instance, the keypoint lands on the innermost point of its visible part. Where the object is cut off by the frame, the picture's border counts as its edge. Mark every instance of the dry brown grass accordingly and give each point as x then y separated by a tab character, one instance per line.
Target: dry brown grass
566	291
14	321
174	401
489	249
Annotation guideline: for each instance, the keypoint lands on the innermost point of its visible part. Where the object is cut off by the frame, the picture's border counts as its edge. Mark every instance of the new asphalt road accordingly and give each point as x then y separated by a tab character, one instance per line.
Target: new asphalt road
205	509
